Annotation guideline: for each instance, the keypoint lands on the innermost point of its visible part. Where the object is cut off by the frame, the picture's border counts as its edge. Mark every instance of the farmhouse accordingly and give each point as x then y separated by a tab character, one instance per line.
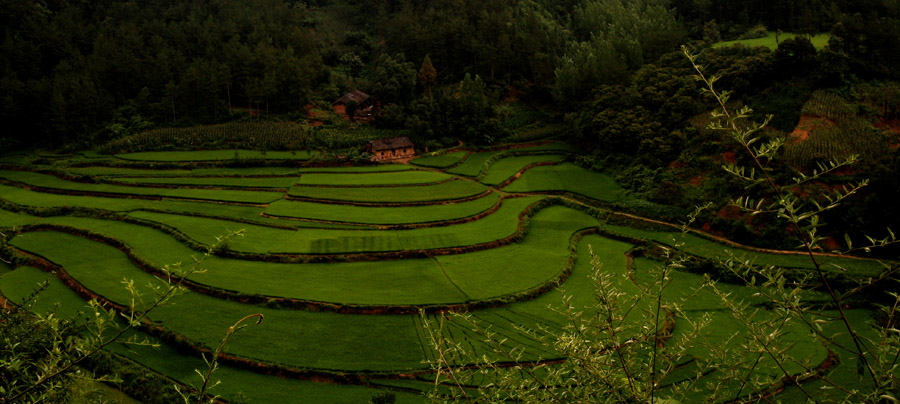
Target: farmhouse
391	148
365	106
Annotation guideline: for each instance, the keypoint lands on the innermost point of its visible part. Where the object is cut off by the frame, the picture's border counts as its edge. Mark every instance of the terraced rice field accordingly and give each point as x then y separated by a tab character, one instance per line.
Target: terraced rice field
345	263
214	155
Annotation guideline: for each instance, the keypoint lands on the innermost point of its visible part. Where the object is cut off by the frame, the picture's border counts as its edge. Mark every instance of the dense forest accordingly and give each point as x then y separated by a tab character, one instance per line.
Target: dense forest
75	74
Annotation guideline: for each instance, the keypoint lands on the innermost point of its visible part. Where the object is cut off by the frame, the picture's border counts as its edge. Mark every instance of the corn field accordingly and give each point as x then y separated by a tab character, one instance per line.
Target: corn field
843	132
829	105
848	136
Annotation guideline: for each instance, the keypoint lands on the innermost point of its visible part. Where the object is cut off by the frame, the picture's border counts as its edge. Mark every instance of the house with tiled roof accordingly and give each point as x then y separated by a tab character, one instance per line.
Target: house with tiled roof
363	110
391	148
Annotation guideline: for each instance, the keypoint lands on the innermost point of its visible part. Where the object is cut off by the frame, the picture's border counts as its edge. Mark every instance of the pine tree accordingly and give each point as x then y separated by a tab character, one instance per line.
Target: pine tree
427	76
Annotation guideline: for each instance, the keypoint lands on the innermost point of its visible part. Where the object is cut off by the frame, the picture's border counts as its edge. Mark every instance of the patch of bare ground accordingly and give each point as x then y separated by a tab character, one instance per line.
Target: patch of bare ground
890	127
807	125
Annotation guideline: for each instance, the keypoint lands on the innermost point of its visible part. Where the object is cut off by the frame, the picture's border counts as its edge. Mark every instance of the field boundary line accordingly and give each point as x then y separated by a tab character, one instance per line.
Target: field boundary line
290	197
417	184
449	279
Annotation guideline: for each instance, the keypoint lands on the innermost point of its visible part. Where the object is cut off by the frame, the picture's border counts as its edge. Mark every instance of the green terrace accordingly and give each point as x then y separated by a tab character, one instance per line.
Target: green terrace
383	215
340	261
215	155
450	190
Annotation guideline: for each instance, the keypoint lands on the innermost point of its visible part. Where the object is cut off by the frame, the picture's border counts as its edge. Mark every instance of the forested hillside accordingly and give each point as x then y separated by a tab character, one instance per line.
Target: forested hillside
90	71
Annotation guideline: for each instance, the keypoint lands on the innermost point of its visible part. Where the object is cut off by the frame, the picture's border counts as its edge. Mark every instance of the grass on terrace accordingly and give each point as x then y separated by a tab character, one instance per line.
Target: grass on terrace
534	314
568	177
450	190
105	171
378	168
381	215
363	179
443	280
263	240
441	161
355	342
293	337
52	182
27	198
473	164
505	168
279	182
703	247
215	155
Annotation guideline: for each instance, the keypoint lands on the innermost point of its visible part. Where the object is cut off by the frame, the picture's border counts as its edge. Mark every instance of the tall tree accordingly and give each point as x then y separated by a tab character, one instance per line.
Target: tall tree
427	76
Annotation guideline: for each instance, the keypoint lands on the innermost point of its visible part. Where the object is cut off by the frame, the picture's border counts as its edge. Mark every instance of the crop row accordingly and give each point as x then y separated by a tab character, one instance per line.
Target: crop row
833	142
829	105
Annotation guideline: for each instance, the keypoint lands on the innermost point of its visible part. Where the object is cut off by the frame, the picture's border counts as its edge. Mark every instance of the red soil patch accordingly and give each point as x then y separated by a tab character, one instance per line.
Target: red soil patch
729	212
707	227
696	181
892	129
847	170
310	110
729	157
831	244
807	125
313	112
890	125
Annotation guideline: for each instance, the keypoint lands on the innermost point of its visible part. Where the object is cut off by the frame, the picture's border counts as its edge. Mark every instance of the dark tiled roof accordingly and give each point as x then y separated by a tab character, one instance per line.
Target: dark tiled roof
354	95
391	143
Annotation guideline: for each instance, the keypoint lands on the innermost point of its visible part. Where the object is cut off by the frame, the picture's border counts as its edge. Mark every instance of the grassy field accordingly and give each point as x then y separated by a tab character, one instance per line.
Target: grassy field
441	161
505	168
818	40
214	155
249	387
349	317
379	168
443	280
285	182
706	248
568	177
267	240
55	183
368	179
381	215
445	191
473	164
252	214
